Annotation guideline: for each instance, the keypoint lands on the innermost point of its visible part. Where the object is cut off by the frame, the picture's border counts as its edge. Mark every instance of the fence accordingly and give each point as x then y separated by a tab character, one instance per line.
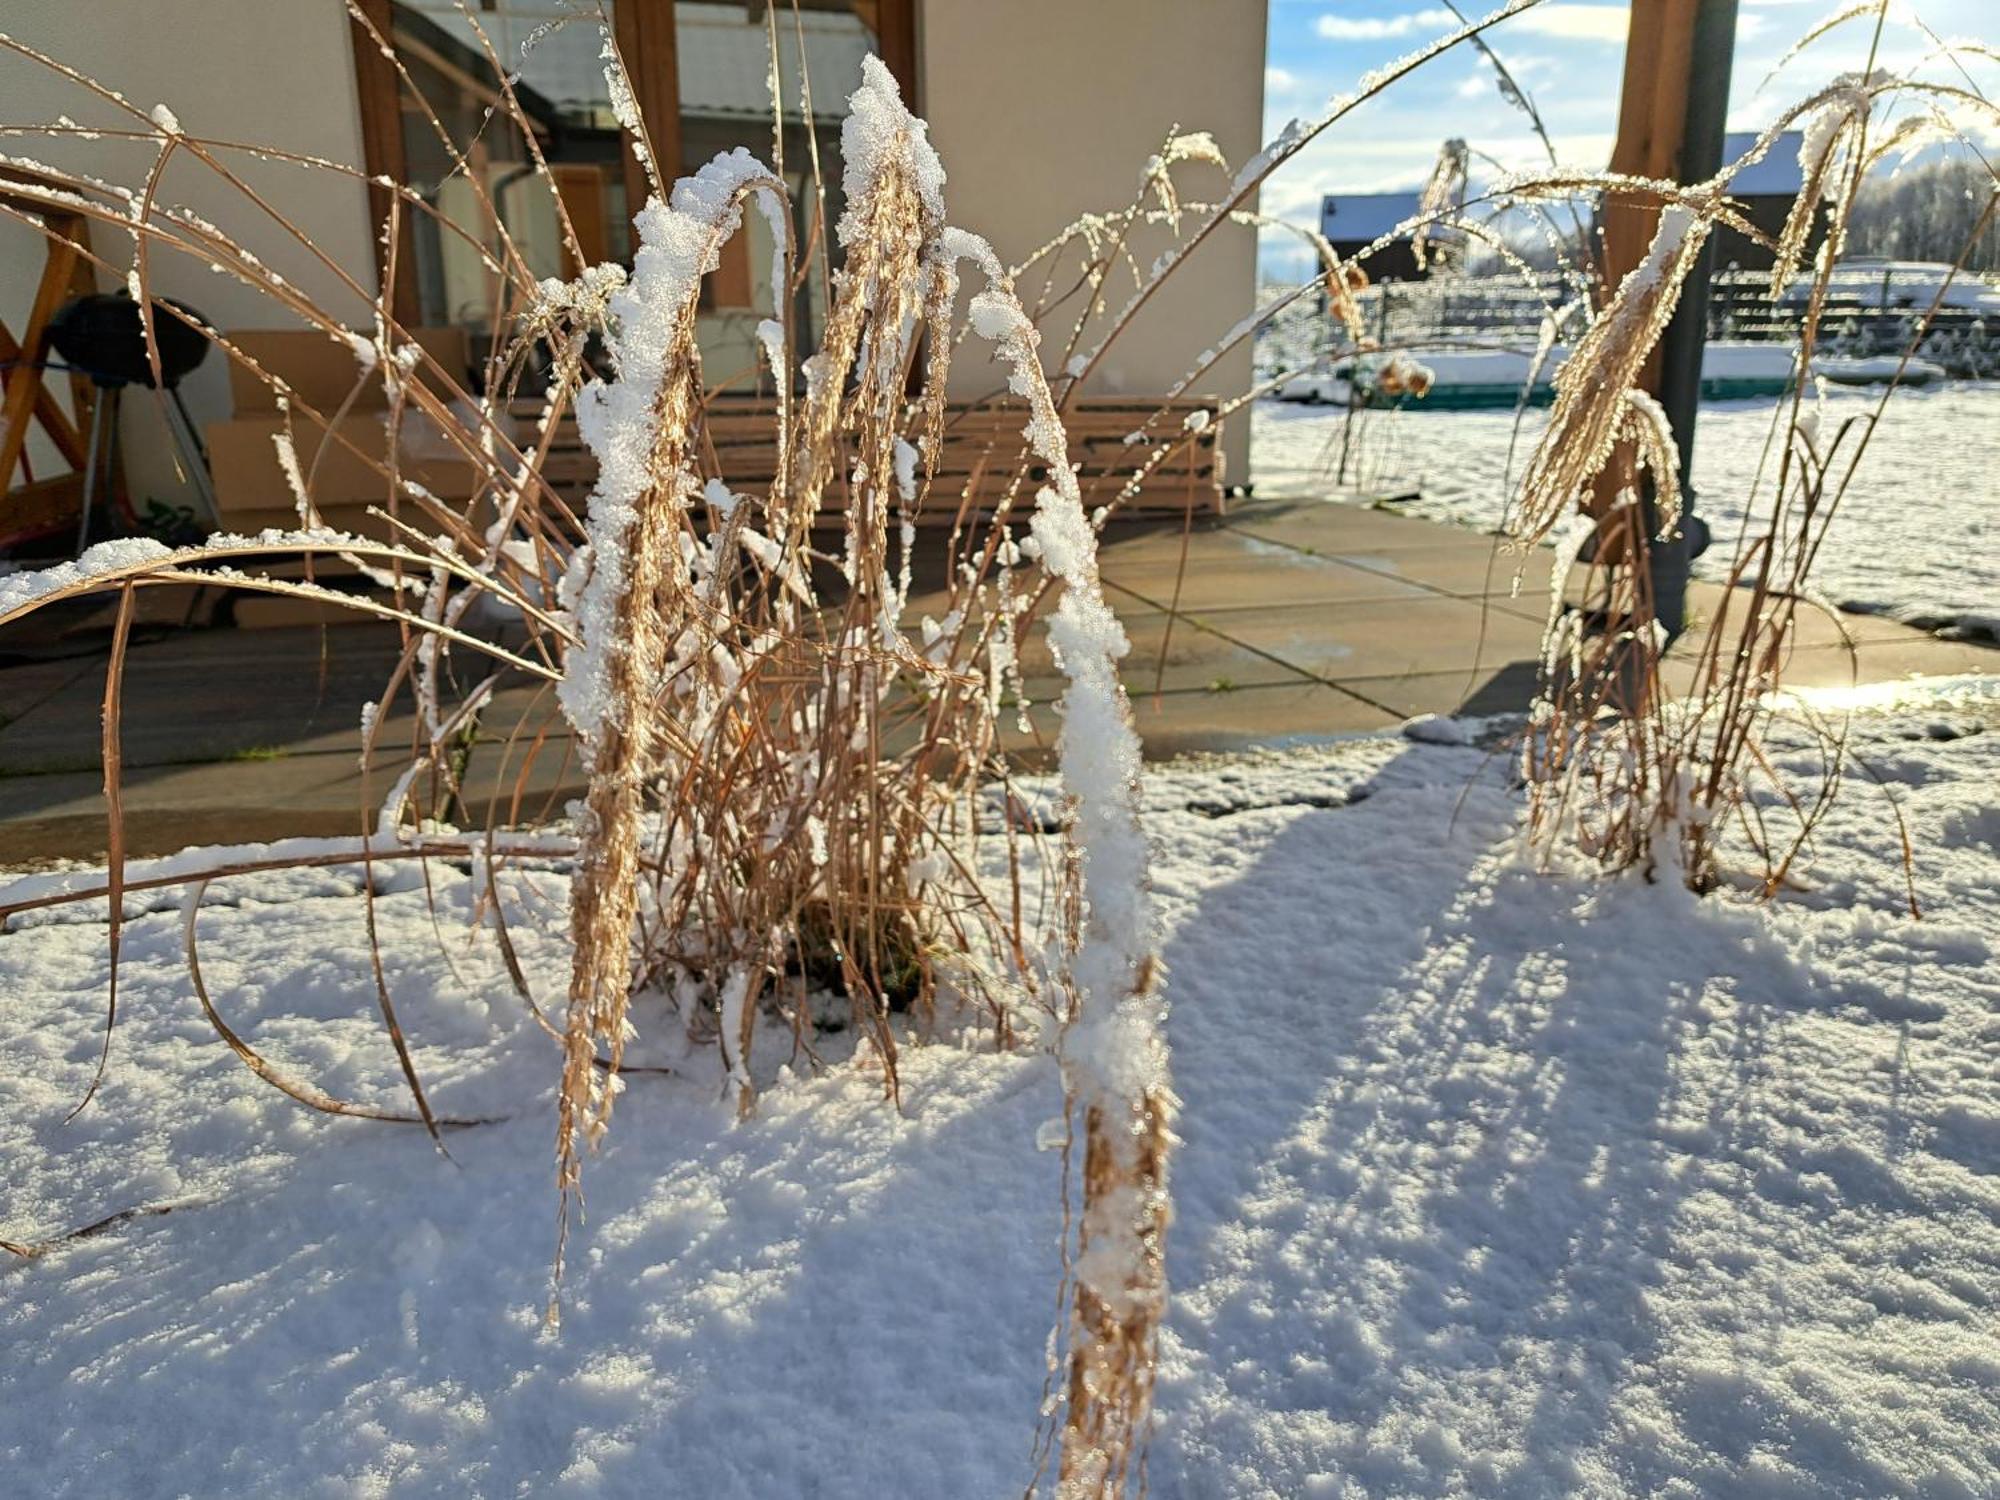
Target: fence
1872	308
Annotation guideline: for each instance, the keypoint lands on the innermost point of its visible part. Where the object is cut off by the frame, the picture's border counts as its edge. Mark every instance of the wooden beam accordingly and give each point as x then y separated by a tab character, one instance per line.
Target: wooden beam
895	25
55	421
37	508
1671	115
381	94
644	30
24	381
1652	124
1652	118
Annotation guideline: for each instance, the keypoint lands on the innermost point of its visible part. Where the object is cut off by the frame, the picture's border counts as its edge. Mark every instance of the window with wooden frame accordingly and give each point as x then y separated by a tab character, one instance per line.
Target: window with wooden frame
700	71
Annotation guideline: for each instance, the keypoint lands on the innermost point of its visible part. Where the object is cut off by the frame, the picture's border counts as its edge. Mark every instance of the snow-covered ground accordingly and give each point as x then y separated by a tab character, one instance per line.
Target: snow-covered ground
1917	535
1493	1182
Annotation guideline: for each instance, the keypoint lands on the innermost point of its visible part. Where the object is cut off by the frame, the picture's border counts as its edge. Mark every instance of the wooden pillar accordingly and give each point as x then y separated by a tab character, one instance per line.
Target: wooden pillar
1671	114
381	97
645	33
894	23
1652	119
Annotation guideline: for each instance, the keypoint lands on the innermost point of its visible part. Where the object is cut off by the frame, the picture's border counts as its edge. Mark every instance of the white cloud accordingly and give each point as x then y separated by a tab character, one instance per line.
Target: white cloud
1279	81
1582	23
1478	86
1377	28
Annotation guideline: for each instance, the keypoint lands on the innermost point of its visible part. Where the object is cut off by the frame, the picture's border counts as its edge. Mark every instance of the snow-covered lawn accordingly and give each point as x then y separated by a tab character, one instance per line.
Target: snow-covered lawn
1493	1183
1916	536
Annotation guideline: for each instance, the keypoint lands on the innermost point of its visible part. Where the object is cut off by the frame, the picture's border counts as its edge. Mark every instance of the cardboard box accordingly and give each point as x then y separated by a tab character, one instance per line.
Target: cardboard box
323	371
243	461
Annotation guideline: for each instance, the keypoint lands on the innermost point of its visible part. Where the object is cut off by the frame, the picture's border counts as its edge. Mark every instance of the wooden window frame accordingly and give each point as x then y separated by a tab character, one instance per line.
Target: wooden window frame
645	34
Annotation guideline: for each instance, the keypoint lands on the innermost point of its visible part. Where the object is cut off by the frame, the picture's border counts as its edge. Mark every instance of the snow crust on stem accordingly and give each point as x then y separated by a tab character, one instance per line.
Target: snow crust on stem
880	130
19	590
680	242
1114	1044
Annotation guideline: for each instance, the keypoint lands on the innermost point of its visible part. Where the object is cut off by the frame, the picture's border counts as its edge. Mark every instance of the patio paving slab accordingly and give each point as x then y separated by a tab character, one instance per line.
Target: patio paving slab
1236	565
1328	527
1488	572
1870	661
26	687
314	793
1181	653
1356	641
1297	621
1274	715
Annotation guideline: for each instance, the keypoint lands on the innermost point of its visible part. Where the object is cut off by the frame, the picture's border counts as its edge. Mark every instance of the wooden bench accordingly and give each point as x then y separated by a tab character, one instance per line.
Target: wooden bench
983	449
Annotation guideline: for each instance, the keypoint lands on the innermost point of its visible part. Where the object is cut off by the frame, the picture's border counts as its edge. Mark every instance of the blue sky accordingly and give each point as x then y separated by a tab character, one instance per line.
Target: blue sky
1568	54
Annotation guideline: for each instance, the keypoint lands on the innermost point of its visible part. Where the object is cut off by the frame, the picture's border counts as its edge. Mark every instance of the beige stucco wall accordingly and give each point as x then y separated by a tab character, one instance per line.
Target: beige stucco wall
1047	109
278	72
1042	110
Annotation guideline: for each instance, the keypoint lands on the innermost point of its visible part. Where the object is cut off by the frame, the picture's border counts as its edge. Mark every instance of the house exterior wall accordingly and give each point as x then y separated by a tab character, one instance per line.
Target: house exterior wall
1043	110
276	72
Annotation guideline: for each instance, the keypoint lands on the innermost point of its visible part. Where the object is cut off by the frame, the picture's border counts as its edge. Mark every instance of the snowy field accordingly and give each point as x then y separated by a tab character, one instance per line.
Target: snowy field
1917	536
1494	1183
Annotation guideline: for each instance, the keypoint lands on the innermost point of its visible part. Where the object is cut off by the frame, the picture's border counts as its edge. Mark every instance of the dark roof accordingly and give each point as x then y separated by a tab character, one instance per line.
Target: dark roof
1777	175
1357	218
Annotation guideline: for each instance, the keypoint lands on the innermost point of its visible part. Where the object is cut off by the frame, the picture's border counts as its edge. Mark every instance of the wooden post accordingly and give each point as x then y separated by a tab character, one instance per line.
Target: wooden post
1671	113
381	98
646	41
894	23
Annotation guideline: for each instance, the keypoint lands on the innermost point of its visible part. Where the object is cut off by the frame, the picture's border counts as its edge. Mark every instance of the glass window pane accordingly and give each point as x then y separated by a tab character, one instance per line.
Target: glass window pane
723	52
559	82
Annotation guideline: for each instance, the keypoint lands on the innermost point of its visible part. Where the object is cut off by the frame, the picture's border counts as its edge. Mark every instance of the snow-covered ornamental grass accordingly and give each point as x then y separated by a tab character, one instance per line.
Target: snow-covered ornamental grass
1633	775
793	793
793	796
1621	764
784	783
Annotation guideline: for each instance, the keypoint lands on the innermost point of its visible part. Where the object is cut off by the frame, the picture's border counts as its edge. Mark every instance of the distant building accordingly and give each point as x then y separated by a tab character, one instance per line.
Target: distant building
1353	222
1766	191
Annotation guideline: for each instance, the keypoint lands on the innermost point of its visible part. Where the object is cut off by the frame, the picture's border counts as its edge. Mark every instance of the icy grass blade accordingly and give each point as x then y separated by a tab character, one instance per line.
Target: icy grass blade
113	756
632	573
1114	1053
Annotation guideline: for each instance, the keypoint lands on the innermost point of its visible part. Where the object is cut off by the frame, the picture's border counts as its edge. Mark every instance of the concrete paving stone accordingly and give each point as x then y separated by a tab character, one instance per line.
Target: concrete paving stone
171	807
1329	527
1234	569
212	696
1889	661
1272	716
166	808
27	686
1298	622
1488	572
1832	666
1495	686
1172	654
1708	602
1343	642
1813	626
